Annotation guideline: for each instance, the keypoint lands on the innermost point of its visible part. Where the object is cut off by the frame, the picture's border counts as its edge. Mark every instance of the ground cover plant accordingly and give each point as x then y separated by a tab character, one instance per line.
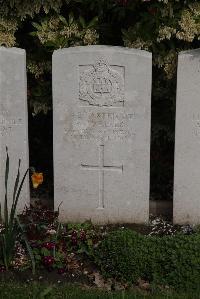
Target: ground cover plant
168	260
65	291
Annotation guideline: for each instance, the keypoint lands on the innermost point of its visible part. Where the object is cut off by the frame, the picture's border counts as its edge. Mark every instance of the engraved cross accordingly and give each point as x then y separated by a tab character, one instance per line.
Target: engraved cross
101	168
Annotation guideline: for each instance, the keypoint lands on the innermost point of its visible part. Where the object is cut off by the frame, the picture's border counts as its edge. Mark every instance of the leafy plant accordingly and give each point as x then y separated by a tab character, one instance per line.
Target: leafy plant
49	251
11	223
58	32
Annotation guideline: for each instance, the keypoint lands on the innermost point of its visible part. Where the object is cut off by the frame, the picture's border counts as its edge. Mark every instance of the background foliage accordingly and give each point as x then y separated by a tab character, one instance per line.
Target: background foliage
164	27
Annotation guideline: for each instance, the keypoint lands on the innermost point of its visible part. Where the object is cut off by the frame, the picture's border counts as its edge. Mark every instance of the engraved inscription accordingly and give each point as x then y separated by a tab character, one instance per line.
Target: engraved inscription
100	126
101	168
7	123
101	85
196	124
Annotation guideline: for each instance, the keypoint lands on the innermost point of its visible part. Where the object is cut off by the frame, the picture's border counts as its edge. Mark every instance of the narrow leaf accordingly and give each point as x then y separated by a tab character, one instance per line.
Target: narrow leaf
6	190
17	181
12	213
18	194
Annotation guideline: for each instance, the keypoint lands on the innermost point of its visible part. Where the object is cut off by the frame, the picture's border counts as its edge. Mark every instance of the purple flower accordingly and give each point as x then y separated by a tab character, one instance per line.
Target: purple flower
123	2
48	260
2	268
74	238
83	235
49	245
35	245
61	270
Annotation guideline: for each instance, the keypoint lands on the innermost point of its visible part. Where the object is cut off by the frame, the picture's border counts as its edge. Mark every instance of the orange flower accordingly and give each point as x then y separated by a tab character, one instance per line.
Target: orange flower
37	179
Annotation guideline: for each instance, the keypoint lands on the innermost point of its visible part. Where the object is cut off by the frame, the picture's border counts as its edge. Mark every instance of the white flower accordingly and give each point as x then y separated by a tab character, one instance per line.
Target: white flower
51	231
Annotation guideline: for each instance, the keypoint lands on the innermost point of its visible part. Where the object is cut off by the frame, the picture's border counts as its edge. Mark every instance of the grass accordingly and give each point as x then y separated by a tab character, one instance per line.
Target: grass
35	290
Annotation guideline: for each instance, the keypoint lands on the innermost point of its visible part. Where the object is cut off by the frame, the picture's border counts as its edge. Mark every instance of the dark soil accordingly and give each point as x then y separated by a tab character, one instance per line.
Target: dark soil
44	276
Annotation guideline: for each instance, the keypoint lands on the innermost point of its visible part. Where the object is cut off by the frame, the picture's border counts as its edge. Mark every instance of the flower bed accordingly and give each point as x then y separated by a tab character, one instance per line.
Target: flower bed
158	253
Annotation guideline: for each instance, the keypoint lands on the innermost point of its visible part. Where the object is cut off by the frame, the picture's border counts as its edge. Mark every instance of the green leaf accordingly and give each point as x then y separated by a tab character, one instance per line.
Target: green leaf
82	21
18	192
45	251
37	26
12	213
63	20
45	292
6	191
93	22
71	18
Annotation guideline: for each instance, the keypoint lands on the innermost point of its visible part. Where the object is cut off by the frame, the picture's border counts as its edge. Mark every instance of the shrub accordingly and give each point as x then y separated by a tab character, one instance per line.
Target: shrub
168	260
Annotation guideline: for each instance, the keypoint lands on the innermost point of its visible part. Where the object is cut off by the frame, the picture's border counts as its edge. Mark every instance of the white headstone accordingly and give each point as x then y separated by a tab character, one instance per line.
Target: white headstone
187	140
102	102
13	121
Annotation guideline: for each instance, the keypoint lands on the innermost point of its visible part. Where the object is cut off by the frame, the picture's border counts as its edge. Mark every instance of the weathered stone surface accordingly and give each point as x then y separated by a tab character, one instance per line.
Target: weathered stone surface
102	102
187	148
13	120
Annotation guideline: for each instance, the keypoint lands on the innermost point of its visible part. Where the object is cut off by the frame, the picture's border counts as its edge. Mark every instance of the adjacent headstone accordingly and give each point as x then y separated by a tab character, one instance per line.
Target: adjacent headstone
13	121
102	102
187	140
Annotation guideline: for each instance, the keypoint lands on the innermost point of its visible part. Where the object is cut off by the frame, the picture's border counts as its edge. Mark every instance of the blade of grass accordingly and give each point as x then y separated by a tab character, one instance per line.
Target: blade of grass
46	292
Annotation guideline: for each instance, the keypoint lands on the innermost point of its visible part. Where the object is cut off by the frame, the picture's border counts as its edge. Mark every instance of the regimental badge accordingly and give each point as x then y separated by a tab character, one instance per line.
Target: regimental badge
101	85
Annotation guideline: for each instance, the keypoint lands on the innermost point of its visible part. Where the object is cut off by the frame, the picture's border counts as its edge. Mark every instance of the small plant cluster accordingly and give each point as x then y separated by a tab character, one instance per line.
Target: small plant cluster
170	260
161	227
53	246
42	230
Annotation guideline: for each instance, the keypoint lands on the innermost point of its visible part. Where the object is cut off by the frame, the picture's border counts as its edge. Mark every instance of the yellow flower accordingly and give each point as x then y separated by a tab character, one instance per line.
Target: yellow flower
37	179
